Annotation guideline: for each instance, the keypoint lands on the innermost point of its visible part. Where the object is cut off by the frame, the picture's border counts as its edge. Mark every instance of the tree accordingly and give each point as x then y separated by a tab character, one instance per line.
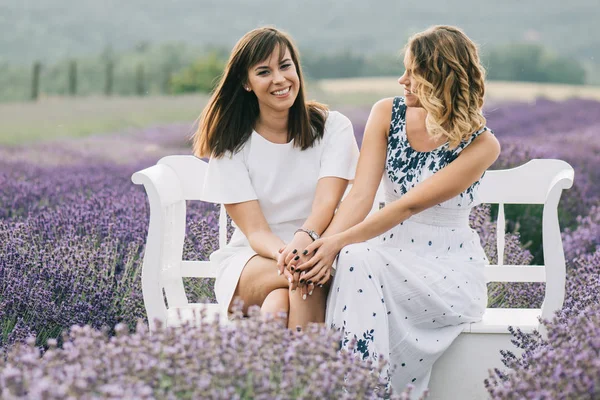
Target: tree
201	76
532	63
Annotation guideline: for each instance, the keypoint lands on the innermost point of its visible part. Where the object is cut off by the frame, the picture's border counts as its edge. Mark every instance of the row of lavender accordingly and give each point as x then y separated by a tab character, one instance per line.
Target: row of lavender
72	231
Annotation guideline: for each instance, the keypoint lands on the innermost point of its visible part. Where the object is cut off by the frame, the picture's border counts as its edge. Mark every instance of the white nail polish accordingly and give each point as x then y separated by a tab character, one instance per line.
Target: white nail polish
278	272
304	296
310	293
290	280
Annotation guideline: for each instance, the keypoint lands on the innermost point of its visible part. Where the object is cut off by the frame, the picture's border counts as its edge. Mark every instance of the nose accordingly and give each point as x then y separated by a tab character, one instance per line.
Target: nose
402	79
278	77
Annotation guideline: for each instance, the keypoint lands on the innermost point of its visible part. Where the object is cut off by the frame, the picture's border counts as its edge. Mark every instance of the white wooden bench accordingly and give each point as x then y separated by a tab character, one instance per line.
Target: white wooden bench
460	372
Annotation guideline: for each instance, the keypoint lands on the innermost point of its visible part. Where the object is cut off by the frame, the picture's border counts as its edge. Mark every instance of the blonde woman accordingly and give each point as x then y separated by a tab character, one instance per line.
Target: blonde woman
280	165
404	294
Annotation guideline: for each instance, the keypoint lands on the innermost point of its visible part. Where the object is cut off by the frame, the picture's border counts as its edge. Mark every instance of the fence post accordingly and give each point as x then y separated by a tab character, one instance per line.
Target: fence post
139	80
73	78
35	80
108	84
166	83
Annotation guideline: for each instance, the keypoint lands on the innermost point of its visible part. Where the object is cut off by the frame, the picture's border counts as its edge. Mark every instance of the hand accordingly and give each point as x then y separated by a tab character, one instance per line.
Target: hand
291	255
317	270
287	274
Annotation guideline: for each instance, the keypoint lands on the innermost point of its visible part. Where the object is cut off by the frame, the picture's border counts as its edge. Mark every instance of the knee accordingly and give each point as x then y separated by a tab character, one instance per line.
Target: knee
280	299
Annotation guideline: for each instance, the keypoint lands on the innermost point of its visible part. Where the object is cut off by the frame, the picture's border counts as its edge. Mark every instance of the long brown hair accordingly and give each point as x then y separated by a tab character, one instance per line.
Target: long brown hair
228	119
450	81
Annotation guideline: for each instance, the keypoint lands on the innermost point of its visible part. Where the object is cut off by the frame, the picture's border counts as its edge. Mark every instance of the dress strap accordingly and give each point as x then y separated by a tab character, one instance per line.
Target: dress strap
467	142
479	132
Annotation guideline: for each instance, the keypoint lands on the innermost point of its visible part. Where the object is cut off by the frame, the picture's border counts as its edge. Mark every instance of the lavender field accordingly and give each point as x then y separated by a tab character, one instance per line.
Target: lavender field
72	236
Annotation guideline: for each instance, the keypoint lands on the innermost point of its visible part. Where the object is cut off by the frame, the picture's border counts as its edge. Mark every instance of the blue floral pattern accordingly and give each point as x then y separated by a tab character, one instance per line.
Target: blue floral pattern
402	297
406	167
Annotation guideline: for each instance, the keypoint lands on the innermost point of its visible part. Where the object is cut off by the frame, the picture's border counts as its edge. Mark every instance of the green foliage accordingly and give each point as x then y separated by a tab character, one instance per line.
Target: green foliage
345	64
201	76
109	72
176	68
532	63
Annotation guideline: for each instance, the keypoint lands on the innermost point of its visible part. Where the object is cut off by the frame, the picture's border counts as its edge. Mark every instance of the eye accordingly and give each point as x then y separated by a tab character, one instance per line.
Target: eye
286	66
263	72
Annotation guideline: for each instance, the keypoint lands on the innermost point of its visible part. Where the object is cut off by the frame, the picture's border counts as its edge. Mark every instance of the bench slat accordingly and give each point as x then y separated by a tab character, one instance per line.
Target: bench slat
515	273
191	313
497	320
198	269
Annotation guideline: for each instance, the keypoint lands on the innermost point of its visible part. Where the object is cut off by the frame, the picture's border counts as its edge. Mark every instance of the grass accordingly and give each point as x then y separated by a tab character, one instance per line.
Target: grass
51	118
496	90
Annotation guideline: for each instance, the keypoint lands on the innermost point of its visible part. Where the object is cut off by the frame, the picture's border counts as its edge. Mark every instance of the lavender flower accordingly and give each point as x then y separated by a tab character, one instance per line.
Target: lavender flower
254	358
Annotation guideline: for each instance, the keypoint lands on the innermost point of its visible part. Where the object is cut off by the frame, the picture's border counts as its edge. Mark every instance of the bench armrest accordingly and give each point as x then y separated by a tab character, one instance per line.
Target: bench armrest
161	183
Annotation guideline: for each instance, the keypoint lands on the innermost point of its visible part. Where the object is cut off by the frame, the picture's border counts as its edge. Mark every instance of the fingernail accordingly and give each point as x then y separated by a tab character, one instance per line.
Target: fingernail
305	252
304	296
292	268
293	290
310	293
301	280
278	272
290	280
320	285
309	282
296	258
295	251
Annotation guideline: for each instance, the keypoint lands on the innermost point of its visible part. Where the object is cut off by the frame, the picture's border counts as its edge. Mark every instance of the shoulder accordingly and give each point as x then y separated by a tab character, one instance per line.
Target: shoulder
336	119
385	105
337	125
382	111
238	155
487	144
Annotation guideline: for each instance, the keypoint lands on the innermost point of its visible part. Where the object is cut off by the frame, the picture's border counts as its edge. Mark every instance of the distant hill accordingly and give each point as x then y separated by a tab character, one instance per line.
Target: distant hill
51	30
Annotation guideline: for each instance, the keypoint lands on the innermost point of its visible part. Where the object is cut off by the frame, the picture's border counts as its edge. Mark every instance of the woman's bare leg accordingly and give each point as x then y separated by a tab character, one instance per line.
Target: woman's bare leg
310	310
259	278
277	301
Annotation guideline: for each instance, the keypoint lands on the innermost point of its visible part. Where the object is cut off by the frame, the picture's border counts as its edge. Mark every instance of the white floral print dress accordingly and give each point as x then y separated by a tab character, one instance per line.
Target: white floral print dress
405	294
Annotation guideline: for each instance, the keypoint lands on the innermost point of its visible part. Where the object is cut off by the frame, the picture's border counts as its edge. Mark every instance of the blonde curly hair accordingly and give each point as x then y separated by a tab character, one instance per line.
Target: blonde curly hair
449	82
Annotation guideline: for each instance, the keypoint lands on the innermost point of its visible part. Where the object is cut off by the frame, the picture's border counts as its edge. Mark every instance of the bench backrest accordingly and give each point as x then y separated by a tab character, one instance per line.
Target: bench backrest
177	179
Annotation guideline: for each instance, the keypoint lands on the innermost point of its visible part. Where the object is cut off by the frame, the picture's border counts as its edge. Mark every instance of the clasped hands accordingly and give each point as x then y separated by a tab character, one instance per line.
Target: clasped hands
307	264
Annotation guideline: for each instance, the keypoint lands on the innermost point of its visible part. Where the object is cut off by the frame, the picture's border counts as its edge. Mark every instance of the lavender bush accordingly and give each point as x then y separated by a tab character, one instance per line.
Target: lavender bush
566	365
501	294
73	230
72	238
255	358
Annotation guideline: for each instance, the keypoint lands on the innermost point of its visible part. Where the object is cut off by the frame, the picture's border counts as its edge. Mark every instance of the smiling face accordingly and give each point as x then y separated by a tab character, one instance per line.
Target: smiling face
408	81
274	81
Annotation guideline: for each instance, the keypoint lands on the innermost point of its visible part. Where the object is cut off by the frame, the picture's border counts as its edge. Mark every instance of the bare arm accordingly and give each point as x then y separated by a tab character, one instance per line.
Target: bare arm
327	197
249	217
358	203
445	184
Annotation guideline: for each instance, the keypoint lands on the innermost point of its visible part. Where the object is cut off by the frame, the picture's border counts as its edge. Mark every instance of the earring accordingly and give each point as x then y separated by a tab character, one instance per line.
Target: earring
247	88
